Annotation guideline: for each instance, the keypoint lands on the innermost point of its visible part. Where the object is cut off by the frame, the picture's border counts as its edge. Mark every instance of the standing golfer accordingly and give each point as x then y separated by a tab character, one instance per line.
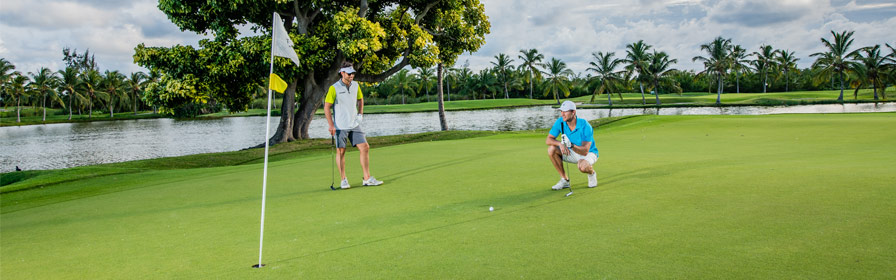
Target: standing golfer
345	122
571	139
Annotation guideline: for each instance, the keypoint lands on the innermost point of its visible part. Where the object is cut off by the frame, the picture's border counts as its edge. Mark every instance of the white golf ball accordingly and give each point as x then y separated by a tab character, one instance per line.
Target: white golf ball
491	208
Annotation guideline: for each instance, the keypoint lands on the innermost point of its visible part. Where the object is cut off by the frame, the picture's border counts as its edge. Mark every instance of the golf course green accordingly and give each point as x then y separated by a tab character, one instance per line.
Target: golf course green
684	197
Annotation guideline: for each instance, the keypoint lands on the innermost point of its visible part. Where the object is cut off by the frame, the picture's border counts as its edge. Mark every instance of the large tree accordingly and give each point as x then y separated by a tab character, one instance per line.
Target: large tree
765	59
717	61
660	69
501	63
44	82
786	61
604	67
636	55
872	65
531	61
379	37
557	79
836	59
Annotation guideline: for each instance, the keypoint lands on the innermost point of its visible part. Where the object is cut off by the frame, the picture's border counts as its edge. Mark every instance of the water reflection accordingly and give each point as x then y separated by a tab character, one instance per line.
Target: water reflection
65	145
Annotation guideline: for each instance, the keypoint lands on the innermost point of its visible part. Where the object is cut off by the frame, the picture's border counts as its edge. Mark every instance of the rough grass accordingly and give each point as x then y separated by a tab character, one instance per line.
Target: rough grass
768	197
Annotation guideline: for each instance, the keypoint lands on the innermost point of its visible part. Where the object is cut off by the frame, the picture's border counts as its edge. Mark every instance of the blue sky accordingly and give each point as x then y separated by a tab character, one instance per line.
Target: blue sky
33	32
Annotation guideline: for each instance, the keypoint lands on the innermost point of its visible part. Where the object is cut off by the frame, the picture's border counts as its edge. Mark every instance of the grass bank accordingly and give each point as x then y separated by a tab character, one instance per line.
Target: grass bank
780	196
735	99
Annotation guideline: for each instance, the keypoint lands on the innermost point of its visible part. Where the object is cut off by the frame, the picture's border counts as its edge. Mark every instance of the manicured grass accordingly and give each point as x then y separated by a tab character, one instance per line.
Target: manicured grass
760	197
736	99
31	116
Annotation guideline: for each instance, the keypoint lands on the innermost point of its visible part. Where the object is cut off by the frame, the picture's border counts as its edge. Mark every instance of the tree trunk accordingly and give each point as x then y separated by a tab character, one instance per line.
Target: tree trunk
111	105
609	98
43	104
18	109
643	100
70	105
530	83
442	121
841	88
656	91
737	77
764	81
135	103
90	109
283	133
873	85
719	95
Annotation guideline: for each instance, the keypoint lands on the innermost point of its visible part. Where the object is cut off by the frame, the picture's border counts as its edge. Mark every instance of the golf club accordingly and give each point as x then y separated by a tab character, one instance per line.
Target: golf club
563	124
333	165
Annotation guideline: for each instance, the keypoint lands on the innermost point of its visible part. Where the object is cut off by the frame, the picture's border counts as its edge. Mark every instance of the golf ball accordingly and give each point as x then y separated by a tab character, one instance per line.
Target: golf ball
491	208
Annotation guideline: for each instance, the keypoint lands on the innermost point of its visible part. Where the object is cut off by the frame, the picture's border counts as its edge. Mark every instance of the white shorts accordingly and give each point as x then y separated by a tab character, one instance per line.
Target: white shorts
574	157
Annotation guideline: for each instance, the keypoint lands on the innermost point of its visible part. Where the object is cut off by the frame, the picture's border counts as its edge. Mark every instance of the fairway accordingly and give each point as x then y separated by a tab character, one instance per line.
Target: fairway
733	197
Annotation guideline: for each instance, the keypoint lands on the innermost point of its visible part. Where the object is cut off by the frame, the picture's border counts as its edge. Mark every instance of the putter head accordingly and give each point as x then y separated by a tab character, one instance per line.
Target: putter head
569	193
332	188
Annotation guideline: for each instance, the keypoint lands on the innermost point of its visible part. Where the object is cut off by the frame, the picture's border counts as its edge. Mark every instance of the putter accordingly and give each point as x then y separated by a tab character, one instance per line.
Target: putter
567	165
333	166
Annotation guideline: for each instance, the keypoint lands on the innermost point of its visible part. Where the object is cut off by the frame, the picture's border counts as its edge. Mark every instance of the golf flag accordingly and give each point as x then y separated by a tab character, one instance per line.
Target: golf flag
282	44
277	84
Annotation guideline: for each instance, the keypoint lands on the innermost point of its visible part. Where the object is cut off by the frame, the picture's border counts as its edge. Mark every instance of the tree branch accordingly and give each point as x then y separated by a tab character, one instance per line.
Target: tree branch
382	76
425	11
362	12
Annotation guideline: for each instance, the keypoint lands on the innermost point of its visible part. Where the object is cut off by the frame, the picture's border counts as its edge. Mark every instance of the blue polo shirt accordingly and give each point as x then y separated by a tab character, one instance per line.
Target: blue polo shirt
582	133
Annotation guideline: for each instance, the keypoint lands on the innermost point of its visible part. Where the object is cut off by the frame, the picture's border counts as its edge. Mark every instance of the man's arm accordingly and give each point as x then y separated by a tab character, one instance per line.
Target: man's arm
329	116
552	141
583	149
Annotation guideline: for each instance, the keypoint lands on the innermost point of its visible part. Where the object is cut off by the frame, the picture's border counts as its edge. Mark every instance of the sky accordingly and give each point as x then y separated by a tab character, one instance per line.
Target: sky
34	32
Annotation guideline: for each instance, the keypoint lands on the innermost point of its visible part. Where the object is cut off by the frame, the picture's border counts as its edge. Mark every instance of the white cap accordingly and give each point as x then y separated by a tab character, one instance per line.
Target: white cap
347	70
567	106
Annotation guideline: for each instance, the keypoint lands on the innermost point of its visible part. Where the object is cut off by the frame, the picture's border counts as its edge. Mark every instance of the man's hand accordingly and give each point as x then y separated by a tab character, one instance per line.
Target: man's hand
332	130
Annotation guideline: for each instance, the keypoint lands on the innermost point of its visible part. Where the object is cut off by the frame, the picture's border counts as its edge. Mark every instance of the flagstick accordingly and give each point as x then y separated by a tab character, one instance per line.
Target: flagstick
264	181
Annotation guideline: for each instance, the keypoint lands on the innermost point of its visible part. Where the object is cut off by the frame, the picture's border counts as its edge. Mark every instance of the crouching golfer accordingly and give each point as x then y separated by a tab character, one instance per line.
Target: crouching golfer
571	139
346	95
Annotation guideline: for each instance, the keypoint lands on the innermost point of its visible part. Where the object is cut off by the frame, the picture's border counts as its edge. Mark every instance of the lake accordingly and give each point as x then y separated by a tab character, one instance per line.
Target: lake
54	146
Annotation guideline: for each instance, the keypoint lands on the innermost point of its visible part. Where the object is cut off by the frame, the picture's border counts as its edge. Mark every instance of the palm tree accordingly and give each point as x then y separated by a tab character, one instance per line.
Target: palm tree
90	82
835	59
872	66
16	89
501	63
113	83
739	63
425	77
557	78
717	62
68	82
636	57
404	82
659	68
786	60
135	84
604	67
45	82
765	59
6	71
531	62
485	82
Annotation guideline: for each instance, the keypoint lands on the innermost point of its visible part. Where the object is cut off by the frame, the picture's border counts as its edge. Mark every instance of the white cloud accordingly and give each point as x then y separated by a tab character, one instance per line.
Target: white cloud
33	32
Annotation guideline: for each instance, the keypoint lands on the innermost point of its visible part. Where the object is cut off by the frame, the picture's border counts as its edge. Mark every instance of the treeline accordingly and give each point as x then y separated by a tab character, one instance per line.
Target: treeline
81	88
728	67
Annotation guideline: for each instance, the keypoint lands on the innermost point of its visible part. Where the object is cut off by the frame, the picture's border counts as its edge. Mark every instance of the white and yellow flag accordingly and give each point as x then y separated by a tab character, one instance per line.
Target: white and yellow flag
282	45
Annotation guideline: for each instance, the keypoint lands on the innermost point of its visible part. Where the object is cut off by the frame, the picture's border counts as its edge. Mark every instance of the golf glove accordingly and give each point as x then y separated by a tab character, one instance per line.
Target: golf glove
357	121
565	141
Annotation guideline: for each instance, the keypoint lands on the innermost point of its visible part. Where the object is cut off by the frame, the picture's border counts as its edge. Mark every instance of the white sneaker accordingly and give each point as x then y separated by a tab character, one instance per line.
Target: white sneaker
562	184
592	179
372	182
344	184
